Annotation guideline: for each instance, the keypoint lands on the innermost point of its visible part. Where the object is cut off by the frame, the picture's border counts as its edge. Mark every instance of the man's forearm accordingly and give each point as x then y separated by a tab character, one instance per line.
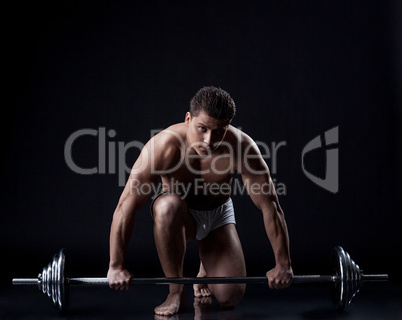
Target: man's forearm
120	234
277	232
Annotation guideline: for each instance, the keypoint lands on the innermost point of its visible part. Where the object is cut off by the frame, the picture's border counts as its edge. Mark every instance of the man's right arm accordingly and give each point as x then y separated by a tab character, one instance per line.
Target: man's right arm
124	219
131	200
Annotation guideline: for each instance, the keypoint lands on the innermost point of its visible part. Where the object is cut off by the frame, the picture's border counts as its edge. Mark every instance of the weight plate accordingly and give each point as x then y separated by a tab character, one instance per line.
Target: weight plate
338	290
54	281
63	286
348	283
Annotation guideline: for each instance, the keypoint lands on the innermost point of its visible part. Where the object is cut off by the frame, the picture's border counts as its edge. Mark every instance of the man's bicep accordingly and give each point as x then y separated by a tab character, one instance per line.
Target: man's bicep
157	157
251	160
256	177
141	183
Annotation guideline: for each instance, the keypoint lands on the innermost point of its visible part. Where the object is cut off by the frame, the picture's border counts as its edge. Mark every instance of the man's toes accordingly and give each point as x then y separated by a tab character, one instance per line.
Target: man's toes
197	293
205	292
163	312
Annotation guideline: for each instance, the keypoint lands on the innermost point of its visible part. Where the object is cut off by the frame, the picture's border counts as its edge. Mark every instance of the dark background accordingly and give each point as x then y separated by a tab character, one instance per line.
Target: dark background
294	69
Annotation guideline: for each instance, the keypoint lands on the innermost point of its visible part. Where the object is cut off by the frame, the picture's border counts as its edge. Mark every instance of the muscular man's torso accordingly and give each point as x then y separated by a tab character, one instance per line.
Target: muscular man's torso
204	181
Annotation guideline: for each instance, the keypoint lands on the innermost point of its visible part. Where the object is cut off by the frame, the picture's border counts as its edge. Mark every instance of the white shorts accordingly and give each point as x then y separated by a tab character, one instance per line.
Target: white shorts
207	221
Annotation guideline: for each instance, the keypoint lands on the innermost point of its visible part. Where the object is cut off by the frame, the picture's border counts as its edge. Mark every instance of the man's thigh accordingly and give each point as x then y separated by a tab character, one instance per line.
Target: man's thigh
221	254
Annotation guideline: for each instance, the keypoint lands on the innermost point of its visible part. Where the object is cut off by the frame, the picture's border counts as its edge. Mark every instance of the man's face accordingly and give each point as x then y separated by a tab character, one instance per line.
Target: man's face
205	133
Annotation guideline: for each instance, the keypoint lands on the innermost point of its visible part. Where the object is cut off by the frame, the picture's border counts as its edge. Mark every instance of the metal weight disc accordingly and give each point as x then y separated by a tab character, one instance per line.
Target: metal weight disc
348	284
61	285
54	281
49	280
44	280
338	262
356	280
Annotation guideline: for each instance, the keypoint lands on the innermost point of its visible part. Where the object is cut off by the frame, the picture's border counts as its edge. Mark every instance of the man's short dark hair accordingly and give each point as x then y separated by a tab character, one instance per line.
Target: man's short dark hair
215	102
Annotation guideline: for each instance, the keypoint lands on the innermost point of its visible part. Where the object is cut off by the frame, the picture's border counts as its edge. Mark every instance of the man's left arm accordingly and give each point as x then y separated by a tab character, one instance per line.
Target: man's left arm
256	177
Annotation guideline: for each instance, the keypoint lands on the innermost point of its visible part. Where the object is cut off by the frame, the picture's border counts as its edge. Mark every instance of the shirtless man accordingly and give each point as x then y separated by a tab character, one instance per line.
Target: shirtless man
196	161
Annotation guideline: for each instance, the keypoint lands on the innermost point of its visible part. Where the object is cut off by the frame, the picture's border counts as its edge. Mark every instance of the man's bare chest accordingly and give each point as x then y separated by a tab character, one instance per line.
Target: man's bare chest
210	169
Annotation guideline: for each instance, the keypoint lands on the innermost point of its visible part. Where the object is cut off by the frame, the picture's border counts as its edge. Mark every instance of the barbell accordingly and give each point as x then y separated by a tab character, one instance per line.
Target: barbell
346	280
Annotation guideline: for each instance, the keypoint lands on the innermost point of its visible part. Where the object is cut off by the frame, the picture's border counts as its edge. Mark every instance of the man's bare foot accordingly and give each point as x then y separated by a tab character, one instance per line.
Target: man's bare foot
201	290
172	304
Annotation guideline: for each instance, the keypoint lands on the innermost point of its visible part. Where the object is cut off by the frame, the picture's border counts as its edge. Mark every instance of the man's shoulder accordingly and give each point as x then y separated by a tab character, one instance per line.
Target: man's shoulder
165	147
172	136
238	137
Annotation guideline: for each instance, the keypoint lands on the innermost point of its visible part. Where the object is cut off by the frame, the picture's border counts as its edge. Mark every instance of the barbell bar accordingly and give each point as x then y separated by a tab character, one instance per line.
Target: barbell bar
346	280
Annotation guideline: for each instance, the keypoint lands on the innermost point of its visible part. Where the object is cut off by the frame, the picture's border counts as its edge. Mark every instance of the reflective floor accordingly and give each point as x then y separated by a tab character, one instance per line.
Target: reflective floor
375	301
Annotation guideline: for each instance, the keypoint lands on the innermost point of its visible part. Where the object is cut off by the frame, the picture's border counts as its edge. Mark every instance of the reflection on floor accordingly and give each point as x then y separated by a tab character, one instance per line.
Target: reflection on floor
375	301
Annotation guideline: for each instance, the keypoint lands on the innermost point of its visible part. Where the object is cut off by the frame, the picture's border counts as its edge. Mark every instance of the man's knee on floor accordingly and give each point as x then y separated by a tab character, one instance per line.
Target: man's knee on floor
229	297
